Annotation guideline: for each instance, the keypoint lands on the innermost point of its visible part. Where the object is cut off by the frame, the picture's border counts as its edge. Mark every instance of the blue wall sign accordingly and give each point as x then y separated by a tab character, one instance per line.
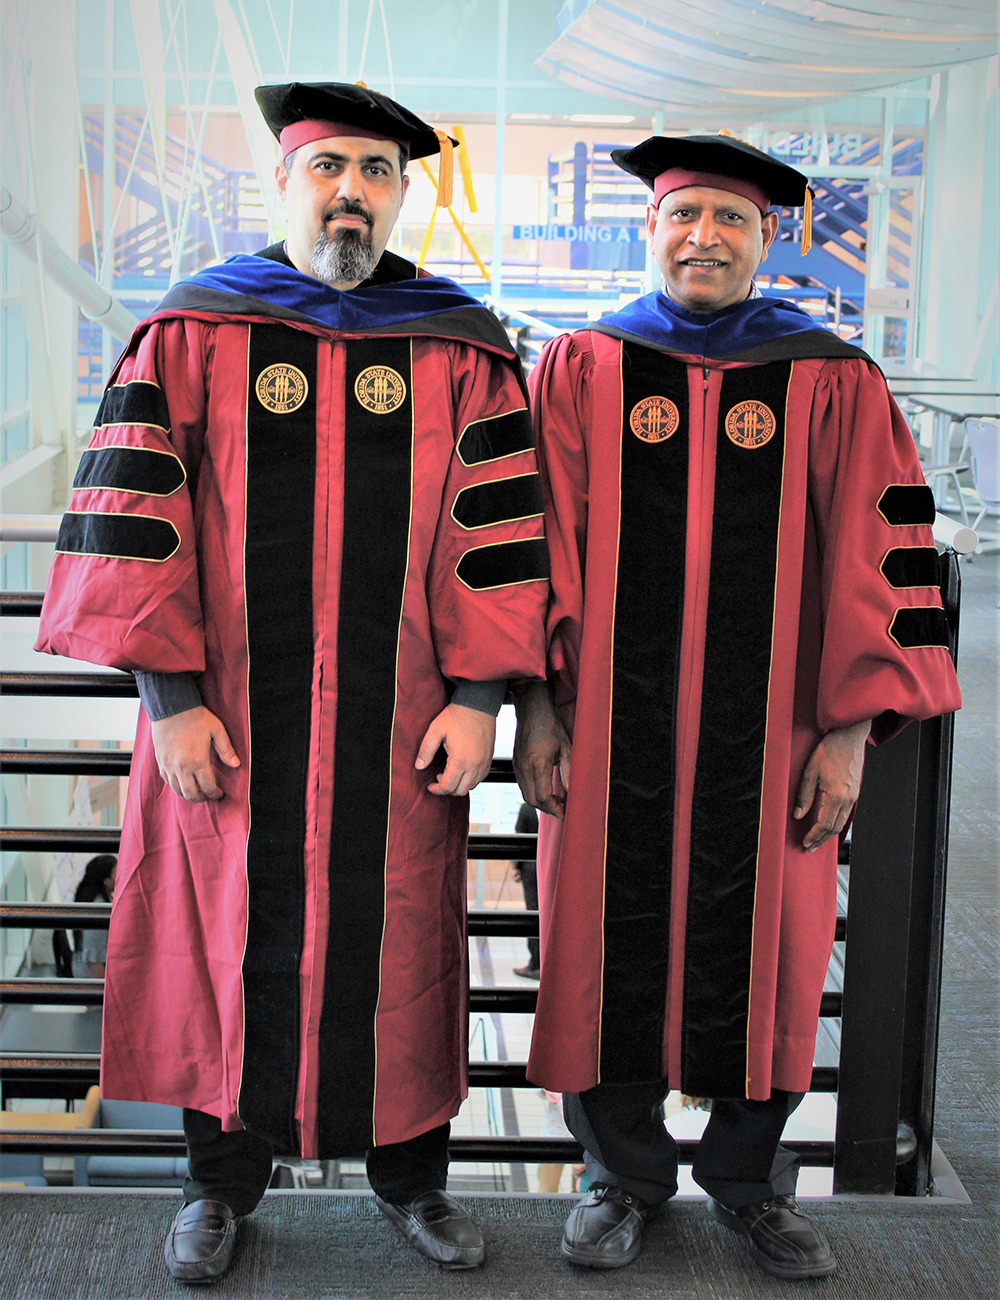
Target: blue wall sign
584	234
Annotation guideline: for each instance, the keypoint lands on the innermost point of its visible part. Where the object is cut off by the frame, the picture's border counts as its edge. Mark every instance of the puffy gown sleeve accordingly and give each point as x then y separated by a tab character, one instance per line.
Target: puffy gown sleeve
123	588
885	652
560	390
488	578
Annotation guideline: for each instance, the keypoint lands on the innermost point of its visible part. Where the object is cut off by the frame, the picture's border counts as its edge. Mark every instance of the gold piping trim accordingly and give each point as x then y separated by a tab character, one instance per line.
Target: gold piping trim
492	523
920	586
878	504
152	451
130	424
767	724
521	582
392	735
931	645
246	634
611	696
113	555
486	420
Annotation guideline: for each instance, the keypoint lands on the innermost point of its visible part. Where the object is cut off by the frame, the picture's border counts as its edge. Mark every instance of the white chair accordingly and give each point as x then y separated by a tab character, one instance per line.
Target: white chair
984	462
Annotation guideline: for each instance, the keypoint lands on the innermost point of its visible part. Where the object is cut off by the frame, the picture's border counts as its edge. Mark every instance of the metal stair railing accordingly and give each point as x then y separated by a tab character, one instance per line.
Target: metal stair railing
892	967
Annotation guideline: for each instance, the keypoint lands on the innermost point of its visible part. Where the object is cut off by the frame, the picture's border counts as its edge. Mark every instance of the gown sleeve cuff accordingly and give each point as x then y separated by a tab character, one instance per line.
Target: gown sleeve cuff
164	694
484	697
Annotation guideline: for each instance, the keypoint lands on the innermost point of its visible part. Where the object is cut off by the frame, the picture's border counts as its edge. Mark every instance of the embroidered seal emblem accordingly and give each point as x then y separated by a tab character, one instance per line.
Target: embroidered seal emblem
750	424
282	388
380	389
654	419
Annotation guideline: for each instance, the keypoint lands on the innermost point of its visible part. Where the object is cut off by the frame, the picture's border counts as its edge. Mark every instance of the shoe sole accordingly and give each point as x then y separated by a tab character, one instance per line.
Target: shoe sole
794	1271
594	1259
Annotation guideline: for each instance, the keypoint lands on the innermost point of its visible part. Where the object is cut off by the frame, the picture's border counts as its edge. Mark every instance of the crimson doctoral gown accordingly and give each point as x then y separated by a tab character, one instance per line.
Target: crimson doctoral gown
327	506
741	561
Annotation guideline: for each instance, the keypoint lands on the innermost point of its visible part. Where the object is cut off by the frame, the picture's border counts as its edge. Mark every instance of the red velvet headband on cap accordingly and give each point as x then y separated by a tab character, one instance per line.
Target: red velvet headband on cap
300	133
679	179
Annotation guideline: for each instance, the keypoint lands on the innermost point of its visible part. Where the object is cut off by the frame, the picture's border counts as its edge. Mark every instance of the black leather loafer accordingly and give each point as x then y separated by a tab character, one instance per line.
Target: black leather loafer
605	1229
784	1241
439	1228
199	1245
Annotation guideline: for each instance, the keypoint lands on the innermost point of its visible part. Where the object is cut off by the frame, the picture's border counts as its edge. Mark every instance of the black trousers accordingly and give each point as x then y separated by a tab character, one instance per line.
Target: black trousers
235	1168
738	1160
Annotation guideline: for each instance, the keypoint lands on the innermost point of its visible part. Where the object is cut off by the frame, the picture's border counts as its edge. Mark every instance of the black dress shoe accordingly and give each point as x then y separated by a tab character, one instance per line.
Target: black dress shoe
199	1245
605	1229
438	1227
528	972
784	1241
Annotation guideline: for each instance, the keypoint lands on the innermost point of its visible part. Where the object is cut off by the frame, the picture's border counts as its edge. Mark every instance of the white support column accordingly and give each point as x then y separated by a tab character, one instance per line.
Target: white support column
342	18
246	75
960	333
496	269
43	112
653	277
879	208
108	188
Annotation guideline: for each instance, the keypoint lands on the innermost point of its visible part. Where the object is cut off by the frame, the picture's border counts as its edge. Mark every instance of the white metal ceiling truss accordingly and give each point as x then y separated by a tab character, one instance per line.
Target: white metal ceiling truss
752	58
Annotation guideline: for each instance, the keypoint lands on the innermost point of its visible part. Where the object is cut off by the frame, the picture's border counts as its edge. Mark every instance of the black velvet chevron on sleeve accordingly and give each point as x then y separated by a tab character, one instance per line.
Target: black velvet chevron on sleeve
138	402
903	504
130	469
499	501
504	564
496	437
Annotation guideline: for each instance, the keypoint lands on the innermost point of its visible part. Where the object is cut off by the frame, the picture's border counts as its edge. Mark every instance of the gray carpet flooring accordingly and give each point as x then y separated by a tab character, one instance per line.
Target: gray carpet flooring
316	1245
62	1245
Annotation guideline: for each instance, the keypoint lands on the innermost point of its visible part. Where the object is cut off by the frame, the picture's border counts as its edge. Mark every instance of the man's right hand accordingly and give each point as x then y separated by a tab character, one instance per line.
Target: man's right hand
183	746
540	746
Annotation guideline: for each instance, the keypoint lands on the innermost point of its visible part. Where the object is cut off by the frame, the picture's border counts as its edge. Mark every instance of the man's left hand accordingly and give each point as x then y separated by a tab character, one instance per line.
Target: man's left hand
468	737
831	783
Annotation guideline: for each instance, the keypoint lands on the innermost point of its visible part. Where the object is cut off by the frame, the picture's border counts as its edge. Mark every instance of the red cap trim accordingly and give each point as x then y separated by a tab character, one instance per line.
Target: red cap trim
677	178
300	133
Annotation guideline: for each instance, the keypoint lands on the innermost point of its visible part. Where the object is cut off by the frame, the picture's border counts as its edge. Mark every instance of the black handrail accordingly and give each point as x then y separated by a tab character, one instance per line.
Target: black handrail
506	923
84	1068
100	839
66	762
113	685
512	1000
487	1150
21	604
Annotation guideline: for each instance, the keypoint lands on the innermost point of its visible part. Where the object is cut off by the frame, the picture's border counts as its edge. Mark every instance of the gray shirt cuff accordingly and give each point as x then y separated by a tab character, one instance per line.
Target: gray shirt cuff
484	697
164	694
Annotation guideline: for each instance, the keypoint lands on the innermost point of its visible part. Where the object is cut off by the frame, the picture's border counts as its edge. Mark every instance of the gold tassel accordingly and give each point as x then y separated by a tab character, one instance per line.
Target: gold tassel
362	84
807	222
729	133
445	169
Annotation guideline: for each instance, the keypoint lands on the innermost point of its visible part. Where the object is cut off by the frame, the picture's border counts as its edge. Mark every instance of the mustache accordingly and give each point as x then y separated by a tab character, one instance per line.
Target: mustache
349	208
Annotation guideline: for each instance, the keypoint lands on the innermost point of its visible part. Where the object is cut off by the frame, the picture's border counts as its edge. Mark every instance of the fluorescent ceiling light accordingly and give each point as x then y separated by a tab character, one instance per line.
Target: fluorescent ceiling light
601	119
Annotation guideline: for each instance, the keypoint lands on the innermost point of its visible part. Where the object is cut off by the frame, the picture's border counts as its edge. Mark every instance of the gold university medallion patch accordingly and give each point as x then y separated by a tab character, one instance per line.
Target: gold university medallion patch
380	389
282	388
750	424
654	419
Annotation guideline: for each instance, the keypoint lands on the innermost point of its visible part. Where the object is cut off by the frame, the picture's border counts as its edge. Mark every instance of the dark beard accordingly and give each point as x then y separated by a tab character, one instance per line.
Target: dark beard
345	258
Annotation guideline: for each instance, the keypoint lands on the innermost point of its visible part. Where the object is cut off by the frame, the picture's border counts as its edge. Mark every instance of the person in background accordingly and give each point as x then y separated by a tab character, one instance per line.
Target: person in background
526	872
96	886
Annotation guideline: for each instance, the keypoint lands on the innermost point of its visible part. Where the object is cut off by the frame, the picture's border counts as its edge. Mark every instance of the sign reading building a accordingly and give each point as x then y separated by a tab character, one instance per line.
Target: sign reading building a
583	233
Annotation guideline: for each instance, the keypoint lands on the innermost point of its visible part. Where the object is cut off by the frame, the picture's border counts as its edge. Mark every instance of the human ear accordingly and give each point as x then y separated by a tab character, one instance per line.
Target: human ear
768	232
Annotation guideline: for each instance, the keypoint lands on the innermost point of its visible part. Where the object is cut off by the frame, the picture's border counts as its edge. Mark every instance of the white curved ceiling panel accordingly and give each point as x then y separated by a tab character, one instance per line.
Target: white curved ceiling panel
754	57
